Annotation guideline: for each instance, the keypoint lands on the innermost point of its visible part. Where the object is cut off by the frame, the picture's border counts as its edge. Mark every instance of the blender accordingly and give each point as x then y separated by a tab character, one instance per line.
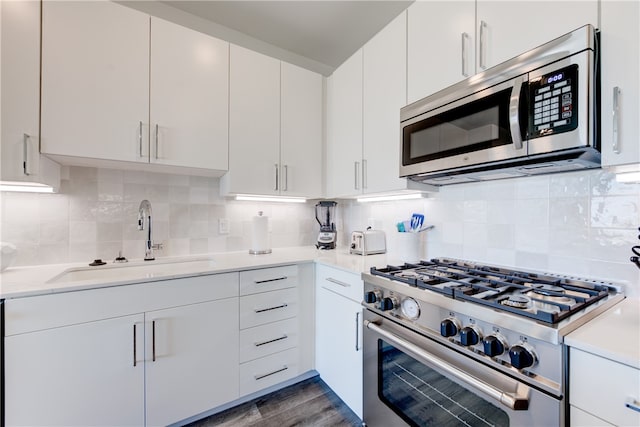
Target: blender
325	211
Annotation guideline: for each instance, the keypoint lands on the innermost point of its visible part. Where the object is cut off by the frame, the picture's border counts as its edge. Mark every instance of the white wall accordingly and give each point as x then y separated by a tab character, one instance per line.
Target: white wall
580	223
95	216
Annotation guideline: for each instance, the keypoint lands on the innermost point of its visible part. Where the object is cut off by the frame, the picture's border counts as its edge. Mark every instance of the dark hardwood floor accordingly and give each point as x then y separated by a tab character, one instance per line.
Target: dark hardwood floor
307	403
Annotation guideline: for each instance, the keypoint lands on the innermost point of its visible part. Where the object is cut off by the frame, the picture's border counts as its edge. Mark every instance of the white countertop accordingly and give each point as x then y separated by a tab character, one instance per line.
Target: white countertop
615	334
20	282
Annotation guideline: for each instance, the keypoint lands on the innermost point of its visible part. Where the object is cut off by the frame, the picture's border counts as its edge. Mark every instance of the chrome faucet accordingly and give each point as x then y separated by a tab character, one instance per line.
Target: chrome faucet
144	214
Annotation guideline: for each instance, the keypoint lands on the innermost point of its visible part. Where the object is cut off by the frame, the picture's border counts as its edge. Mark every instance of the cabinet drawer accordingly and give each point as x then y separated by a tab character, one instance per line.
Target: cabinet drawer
341	282
268	339
601	387
268	279
579	418
267	371
268	307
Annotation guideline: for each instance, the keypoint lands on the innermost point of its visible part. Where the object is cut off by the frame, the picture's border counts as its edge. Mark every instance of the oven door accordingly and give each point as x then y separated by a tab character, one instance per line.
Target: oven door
411	379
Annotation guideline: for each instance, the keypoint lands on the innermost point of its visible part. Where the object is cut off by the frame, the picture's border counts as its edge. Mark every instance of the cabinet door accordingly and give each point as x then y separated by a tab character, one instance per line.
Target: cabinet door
77	375
254	122
440	46
189	97
301	140
95	80
619	39
339	346
385	92
21	160
344	146
195	348
503	33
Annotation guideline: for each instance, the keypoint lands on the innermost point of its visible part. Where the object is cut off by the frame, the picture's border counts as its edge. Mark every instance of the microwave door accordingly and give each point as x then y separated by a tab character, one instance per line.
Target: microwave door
480	128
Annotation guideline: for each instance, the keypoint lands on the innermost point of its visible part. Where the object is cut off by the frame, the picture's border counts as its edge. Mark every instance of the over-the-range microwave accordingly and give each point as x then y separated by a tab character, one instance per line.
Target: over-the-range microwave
536	113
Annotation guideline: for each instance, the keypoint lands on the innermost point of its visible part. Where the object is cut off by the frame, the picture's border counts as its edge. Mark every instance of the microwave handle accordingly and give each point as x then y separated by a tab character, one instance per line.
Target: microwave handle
514	113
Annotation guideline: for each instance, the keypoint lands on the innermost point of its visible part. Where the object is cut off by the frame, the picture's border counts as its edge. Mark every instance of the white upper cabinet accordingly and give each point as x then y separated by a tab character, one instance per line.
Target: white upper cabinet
620	41
98	64
507	29
189	97
440	45
21	159
275	127
344	148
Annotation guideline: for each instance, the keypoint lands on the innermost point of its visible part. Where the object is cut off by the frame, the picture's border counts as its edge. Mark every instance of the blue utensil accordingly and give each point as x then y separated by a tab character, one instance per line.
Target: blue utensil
416	222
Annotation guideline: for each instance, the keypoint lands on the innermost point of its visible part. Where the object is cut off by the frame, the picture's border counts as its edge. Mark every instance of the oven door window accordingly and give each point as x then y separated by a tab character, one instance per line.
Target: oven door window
424	397
478	125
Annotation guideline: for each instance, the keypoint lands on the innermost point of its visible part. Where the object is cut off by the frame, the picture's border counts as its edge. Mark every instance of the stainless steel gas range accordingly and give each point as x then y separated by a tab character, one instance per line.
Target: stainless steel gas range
451	342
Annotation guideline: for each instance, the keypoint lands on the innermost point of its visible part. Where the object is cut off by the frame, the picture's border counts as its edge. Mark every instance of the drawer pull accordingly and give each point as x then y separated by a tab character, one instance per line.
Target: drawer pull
632	404
262	310
258	344
259	377
258	282
338	282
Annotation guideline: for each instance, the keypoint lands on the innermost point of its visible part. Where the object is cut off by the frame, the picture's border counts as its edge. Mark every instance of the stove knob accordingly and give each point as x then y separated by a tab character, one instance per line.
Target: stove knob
372	297
494	345
470	335
449	327
522	356
388	303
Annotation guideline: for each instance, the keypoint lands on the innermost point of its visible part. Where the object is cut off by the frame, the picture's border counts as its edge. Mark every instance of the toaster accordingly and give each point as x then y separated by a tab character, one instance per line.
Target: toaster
368	242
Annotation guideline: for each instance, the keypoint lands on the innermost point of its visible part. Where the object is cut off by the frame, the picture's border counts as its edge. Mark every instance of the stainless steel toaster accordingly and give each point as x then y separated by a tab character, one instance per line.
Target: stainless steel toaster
368	242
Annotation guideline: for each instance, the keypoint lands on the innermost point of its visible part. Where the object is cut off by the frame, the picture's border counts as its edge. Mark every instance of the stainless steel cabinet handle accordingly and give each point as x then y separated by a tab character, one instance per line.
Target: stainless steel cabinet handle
140	138
258	282
262	310
277	177
632	404
135	356
517	401
338	282
356	171
465	71
157	129
258	344
153	341
514	113
616	120
259	377
286	178
357	331
364	173
25	153
483	48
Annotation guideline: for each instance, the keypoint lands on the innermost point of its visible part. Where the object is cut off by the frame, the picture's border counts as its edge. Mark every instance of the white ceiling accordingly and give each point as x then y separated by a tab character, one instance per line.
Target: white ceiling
325	31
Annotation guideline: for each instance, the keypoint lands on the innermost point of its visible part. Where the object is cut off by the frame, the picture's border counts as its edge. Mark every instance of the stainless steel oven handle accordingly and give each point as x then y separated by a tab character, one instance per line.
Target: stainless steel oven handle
511	402
514	113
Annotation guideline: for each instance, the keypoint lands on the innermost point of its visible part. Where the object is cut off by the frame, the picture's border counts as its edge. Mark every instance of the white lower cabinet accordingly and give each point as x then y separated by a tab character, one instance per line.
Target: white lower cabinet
600	389
339	334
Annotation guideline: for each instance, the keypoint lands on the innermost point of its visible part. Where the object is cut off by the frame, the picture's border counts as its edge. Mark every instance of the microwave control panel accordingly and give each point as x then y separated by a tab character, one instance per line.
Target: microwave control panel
553	101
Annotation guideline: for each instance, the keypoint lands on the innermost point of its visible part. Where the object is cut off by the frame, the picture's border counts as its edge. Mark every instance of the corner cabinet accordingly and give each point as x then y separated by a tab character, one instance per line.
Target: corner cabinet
620	41
121	86
275	127
339	333
20	62
102	356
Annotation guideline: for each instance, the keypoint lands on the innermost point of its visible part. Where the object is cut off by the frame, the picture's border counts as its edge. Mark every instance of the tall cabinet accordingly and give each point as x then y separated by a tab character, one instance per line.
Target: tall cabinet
20	96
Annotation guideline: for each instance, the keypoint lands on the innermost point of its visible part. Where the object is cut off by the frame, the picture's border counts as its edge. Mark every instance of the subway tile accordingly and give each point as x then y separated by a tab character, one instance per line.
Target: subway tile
603	183
109	232
612	244
53	207
575	184
21	232
530	212
532	187
615	212
82	232
569	241
475	211
532	239
109	191
53	253
500	236
569	212
109	212
198	246
54	232
532	261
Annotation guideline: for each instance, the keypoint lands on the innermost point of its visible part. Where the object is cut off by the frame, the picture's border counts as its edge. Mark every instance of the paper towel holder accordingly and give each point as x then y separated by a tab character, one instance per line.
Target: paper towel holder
259	251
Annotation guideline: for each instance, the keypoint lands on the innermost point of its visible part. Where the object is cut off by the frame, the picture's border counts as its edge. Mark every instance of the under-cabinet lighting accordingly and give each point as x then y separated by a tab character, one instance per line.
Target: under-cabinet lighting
25	187
255	198
390	198
628	177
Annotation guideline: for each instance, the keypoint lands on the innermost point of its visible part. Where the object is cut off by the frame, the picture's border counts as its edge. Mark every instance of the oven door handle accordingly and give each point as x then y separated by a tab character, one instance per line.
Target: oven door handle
514	113
518	402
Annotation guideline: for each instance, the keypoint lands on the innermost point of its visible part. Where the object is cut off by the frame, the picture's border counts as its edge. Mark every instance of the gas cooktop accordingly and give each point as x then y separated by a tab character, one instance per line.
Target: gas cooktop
543	297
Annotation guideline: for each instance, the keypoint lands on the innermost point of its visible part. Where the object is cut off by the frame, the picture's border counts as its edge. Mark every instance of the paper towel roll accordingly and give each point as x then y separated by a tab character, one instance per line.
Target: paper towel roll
260	235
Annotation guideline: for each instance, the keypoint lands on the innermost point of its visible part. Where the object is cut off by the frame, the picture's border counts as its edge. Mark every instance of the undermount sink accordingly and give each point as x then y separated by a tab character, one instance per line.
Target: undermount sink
134	270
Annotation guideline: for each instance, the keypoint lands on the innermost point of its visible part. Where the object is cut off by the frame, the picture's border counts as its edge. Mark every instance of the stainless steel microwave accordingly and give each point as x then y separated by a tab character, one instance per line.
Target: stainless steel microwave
536	113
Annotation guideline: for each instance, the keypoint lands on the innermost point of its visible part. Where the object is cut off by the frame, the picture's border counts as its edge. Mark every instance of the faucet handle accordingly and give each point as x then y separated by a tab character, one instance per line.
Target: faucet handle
157	246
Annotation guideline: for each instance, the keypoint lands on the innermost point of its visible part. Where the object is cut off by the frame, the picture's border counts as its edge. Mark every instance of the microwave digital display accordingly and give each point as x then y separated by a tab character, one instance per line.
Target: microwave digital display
553	103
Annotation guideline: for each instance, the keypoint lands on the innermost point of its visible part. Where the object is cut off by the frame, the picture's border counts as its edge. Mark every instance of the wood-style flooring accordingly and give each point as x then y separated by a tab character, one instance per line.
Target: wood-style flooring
307	403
